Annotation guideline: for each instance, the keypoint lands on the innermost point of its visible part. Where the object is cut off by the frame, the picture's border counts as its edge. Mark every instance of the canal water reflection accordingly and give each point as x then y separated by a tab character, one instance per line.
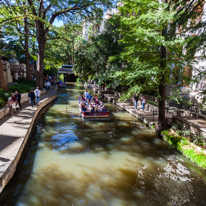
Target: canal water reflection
119	162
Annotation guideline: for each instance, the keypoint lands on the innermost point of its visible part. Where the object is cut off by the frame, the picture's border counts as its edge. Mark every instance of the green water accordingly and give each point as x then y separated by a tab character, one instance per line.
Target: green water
119	162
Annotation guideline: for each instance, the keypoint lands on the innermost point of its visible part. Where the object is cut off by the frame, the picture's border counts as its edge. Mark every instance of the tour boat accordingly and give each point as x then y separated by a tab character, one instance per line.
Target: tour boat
94	115
61	85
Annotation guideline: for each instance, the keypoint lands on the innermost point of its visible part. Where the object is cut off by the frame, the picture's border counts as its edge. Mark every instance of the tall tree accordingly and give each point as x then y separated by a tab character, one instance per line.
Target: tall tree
18	28
3	84
46	12
150	51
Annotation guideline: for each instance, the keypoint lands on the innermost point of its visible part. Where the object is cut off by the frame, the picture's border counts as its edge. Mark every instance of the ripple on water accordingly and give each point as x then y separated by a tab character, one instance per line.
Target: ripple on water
119	163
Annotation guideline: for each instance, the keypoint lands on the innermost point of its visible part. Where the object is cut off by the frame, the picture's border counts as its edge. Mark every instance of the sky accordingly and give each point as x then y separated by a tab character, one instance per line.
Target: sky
58	23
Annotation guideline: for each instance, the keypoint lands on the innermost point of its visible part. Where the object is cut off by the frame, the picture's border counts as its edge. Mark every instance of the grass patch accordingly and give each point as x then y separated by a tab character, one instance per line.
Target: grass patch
182	144
199	159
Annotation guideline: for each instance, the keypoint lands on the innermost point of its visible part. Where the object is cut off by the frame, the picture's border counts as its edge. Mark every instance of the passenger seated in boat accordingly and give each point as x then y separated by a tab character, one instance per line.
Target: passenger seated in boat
80	99
90	109
83	107
96	100
83	98
101	107
96	109
104	109
93	103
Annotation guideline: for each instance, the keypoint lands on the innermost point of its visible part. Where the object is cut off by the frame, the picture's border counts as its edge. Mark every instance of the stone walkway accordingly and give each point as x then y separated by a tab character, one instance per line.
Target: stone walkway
14	132
148	117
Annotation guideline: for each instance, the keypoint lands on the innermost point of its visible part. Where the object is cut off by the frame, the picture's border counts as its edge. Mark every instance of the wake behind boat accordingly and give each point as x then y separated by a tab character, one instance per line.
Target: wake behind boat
91	108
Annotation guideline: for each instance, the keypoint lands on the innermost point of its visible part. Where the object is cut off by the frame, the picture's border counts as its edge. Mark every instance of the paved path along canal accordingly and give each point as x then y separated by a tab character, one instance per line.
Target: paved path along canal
119	162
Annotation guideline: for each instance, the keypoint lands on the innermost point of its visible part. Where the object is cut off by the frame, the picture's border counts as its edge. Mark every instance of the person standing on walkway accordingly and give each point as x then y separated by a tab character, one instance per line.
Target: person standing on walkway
29	96
136	98
52	83
18	97
32	96
9	103
143	101
48	84
37	93
15	101
103	86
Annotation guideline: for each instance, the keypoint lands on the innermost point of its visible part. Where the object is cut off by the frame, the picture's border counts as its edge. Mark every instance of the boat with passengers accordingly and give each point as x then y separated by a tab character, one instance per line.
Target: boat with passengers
91	108
61	84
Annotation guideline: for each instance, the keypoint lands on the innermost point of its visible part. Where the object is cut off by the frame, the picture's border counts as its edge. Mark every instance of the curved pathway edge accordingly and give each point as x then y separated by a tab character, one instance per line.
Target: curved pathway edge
14	135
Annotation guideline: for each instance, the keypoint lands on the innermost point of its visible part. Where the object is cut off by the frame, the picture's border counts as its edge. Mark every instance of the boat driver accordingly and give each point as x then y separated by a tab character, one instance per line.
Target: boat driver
86	94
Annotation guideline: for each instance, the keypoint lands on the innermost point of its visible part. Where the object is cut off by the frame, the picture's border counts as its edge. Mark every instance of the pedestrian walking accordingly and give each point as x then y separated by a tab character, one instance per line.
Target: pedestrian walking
52	83
37	93
143	101
32	96
18	98
48	84
29	96
136	98
10	102
15	102
103	86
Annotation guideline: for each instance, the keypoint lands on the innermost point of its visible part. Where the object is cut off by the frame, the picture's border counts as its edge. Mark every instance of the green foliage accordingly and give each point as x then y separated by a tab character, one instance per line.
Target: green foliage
92	57
179	143
79	80
198	140
199	159
22	86
2	102
4	95
186	133
176	126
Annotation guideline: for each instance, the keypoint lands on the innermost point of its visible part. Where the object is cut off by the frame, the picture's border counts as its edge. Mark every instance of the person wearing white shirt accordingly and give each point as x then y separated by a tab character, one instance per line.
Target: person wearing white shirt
37	93
48	84
144	101
86	94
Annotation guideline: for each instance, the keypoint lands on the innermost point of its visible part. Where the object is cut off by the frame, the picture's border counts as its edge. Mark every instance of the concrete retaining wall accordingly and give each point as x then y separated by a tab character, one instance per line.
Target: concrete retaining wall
8	174
195	129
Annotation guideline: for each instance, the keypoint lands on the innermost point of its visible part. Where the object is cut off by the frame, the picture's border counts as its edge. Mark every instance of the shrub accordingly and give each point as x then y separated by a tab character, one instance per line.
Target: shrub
198	140
2	102
176	126
4	95
21	88
186	133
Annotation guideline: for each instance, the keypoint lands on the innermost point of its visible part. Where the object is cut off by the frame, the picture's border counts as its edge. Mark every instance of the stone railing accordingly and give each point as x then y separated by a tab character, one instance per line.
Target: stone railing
24	97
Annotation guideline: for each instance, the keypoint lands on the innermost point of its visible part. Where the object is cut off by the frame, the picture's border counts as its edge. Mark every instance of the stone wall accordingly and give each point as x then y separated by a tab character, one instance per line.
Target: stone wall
196	130
8	174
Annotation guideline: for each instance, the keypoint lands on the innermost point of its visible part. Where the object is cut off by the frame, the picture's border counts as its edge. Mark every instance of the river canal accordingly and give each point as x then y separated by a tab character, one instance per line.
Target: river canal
119	162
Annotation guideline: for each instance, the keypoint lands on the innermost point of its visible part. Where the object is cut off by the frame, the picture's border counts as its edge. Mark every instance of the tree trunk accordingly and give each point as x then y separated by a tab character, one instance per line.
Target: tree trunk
27	55
162	93
73	53
69	62
35	67
3	84
41	46
162	87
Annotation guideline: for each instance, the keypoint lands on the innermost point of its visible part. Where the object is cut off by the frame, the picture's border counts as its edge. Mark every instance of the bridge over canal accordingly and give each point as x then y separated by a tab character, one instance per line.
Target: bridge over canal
67	71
